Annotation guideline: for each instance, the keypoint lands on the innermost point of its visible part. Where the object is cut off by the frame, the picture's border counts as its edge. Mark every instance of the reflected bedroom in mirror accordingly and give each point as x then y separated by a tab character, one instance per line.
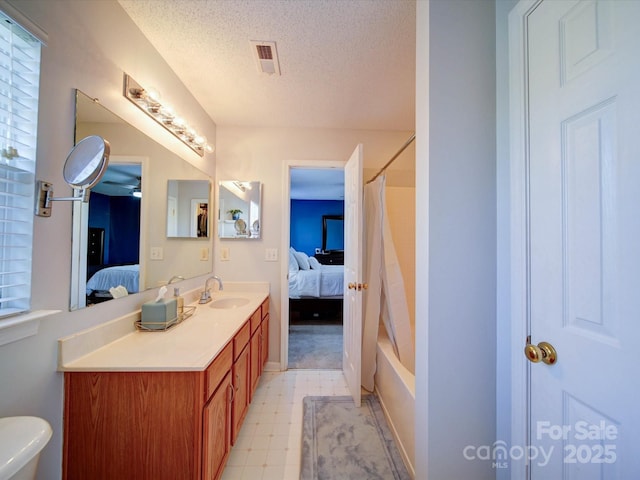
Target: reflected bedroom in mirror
239	209
123	240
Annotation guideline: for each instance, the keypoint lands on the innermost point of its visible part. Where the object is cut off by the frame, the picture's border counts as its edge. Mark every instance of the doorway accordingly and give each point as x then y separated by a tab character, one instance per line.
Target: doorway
311	336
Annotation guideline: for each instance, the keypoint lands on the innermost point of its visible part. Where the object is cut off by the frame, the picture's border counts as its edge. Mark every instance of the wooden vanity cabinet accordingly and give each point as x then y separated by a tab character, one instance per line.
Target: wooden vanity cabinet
148	425
160	425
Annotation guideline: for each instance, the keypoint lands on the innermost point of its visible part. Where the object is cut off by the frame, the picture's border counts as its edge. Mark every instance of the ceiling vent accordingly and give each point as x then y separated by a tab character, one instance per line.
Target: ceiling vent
266	57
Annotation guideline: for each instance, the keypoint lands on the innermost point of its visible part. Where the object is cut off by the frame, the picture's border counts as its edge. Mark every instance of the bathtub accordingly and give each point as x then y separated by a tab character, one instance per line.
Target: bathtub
396	389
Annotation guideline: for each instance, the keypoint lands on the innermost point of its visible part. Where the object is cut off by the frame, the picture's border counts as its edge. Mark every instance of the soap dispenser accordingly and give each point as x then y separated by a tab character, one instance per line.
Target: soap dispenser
179	300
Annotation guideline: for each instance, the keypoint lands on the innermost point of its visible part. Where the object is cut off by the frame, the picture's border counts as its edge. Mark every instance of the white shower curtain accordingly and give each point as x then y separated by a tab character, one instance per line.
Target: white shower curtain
385	297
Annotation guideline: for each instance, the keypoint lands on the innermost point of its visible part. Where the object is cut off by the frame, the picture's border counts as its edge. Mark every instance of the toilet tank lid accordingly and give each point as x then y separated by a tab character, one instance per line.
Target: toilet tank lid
21	439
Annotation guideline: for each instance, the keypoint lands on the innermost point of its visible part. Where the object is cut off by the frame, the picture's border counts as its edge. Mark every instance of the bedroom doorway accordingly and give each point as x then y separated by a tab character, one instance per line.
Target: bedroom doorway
315	272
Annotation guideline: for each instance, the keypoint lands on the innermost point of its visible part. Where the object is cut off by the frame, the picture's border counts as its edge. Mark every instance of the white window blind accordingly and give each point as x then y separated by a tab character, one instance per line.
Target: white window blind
19	85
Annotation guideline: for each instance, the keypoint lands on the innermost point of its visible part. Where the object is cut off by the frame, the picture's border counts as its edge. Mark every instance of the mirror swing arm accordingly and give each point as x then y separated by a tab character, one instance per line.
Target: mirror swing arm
83	169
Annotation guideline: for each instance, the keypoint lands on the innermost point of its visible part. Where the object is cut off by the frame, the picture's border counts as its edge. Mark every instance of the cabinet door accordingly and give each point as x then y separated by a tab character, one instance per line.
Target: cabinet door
241	387
216	419
256	357
265	341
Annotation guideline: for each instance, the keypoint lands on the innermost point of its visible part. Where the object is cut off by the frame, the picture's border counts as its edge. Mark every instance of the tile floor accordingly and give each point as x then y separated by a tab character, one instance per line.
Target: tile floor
268	446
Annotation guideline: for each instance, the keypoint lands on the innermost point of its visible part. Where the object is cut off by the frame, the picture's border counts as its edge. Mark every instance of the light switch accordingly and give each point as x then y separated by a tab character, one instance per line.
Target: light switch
156	253
204	254
271	255
224	254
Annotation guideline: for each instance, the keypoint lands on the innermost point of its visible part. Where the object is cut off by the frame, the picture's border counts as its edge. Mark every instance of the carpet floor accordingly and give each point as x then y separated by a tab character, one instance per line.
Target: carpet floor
341	441
315	346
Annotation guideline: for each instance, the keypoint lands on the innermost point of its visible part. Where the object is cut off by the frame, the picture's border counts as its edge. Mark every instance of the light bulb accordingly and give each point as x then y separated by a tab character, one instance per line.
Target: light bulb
153	95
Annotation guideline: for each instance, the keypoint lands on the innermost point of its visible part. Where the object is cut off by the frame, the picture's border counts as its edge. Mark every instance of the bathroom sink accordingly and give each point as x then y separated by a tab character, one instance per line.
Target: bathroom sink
229	302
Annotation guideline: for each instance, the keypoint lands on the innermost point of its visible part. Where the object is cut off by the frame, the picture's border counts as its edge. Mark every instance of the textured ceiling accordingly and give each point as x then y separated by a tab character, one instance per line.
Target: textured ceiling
345	63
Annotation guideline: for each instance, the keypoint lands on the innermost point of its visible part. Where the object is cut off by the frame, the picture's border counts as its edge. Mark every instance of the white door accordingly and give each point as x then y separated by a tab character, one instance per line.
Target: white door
584	237
352	330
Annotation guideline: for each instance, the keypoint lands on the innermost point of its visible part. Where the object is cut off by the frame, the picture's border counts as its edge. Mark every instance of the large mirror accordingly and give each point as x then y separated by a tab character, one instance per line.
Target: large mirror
239	209
120	237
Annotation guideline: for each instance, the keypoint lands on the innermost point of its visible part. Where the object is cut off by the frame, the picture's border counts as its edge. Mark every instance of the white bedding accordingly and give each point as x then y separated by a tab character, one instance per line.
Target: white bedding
125	275
326	281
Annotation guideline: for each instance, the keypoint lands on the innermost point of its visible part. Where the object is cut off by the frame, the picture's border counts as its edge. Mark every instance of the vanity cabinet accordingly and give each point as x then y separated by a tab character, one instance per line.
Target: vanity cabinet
159	425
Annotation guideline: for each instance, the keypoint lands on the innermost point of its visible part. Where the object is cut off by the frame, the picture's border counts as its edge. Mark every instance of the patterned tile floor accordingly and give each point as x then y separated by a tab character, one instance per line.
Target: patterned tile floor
268	446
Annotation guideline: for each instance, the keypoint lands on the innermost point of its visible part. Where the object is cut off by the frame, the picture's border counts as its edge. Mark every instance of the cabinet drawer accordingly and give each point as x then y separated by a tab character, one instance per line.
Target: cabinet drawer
241	339
256	318
215	372
265	308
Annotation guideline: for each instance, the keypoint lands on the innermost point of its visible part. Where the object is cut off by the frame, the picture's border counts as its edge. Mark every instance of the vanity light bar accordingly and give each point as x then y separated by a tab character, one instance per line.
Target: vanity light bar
148	100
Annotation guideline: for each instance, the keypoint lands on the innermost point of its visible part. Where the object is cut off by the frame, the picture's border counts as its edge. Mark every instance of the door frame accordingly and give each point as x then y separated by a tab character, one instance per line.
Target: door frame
518	230
285	238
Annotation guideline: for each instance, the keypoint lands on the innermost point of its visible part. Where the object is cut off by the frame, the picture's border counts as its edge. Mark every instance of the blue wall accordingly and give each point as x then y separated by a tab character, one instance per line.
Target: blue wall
306	222
120	218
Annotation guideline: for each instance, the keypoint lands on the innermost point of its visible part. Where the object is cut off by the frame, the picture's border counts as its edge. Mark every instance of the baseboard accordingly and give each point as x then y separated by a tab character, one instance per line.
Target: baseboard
272	367
396	437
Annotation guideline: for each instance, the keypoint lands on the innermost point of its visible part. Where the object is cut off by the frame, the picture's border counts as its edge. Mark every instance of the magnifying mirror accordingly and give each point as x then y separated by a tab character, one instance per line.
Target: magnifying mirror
83	169
87	162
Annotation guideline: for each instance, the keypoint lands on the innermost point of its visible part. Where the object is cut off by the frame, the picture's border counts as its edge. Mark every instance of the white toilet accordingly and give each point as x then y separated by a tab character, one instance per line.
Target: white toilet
21	441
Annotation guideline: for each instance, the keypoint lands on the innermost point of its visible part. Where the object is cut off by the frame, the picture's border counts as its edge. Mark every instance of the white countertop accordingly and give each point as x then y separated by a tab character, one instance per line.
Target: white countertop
190	345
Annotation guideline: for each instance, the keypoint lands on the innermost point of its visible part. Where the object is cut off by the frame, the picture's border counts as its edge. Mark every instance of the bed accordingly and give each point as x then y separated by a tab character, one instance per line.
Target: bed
126	275
327	281
315	290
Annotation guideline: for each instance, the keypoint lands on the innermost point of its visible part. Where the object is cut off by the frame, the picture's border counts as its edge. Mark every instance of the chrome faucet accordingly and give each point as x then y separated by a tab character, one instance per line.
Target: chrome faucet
176	278
206	293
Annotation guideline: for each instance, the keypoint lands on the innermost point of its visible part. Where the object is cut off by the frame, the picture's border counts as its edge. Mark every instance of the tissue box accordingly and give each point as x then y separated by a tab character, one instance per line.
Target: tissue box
156	315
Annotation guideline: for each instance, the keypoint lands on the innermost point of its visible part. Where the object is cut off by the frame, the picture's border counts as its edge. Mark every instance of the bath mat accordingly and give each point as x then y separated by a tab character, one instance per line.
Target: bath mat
341	441
315	346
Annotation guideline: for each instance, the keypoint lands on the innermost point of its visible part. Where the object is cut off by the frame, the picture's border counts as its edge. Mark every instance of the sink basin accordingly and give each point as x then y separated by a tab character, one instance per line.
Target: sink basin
229	302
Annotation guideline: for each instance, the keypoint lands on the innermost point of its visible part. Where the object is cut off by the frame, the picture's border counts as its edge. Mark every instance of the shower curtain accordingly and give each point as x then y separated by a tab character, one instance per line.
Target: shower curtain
385	298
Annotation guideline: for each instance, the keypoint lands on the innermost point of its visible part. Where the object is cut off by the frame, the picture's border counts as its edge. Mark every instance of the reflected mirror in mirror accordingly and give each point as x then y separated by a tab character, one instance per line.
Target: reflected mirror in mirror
139	168
188	208
239	209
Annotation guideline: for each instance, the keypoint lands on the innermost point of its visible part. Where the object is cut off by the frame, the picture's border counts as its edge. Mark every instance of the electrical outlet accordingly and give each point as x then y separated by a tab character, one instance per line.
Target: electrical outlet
156	253
271	255
224	254
204	254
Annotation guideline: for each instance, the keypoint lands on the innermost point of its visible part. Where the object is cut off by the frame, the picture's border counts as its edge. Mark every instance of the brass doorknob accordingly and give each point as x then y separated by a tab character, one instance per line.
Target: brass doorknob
357	286
533	353
543	351
549	354
351	286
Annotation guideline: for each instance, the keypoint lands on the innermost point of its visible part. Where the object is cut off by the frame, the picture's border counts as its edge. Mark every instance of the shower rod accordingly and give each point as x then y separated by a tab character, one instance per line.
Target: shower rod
402	149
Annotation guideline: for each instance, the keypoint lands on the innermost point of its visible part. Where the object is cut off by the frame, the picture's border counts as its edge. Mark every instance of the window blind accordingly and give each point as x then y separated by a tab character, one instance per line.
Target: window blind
19	86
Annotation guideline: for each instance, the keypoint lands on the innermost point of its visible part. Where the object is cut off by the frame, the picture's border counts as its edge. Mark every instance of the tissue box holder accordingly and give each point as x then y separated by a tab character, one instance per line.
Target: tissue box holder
159	315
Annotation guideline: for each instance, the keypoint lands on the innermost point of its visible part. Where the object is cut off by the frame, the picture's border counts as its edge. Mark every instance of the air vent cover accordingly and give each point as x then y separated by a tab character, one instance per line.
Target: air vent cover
266	57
